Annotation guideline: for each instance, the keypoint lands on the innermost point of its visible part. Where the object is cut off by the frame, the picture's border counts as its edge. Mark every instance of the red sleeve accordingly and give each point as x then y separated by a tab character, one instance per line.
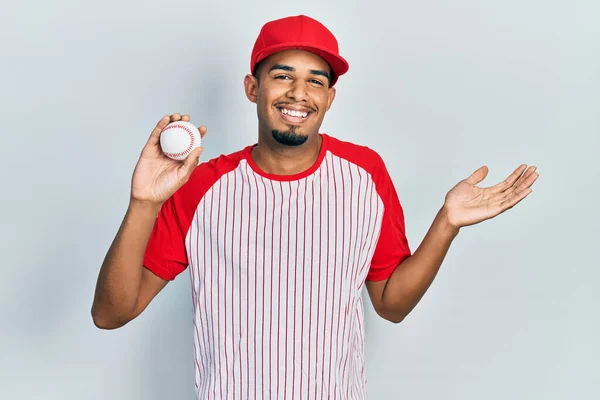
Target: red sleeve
165	253
392	246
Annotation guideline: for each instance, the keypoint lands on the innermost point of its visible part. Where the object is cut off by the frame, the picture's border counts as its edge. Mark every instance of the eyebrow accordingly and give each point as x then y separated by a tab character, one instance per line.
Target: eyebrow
292	69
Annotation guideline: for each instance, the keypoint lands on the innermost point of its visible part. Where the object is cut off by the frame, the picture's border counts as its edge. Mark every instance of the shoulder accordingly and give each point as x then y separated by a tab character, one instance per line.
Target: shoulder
218	166
362	156
207	173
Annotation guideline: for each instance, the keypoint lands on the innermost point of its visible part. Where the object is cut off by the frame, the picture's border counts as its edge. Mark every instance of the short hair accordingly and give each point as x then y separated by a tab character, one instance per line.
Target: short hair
256	72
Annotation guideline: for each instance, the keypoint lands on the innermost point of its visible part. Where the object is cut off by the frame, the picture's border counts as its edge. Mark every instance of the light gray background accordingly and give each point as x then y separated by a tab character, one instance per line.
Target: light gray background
437	88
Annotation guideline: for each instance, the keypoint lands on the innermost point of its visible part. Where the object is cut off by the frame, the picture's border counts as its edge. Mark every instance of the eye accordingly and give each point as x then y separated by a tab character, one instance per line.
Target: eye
283	77
317	82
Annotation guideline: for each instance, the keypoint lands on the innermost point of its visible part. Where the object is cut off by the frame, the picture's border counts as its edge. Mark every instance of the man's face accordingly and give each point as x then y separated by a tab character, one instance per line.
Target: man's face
292	95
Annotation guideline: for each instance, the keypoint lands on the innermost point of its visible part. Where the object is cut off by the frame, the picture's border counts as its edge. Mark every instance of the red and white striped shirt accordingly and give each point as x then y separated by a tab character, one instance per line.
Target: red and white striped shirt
277	266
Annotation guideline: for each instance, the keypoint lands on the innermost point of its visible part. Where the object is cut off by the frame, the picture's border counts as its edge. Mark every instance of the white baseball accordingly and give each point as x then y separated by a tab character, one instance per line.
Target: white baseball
178	139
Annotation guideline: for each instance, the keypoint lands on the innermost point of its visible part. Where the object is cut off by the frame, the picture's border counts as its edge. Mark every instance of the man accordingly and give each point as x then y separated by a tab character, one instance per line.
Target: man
280	237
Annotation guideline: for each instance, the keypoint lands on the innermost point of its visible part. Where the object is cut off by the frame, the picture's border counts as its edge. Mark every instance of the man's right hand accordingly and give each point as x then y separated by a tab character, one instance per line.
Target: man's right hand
156	177
125	288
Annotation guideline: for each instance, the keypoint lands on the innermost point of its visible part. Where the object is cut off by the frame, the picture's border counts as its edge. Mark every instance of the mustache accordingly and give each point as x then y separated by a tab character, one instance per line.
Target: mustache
305	107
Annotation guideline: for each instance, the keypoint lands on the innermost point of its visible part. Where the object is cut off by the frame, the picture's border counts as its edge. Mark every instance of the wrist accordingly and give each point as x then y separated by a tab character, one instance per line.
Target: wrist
144	207
445	223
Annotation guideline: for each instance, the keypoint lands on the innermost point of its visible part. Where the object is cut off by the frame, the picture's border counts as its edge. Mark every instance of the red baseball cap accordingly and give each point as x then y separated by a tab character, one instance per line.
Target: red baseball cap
303	33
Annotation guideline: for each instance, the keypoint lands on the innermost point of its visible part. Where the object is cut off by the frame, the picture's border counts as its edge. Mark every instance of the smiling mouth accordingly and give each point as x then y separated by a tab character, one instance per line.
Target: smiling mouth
290	115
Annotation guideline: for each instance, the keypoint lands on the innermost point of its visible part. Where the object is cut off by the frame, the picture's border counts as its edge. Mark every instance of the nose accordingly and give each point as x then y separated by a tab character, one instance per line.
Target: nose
298	91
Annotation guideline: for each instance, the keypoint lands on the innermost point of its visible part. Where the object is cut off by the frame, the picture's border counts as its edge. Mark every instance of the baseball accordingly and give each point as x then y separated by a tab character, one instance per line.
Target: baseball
178	139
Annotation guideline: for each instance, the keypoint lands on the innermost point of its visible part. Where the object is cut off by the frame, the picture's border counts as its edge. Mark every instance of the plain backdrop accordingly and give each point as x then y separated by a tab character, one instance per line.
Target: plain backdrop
437	88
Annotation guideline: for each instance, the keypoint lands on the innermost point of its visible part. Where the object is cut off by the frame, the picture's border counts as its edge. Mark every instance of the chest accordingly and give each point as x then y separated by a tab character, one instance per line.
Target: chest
320	228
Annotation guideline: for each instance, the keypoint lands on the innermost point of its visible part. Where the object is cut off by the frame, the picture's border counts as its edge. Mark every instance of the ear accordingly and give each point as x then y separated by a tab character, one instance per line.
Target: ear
331	97
251	87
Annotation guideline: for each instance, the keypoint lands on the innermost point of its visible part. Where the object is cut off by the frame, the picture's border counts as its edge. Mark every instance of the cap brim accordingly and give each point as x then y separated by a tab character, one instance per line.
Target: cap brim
337	63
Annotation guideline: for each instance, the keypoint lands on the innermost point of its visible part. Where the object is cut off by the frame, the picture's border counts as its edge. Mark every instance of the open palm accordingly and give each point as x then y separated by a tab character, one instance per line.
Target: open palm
467	204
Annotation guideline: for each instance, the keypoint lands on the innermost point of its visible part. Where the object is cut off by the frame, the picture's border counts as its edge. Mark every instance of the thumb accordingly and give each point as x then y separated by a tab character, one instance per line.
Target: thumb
478	175
191	161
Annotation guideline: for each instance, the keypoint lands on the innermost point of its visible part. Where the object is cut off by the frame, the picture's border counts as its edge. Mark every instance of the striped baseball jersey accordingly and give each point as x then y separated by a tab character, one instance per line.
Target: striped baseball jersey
277	264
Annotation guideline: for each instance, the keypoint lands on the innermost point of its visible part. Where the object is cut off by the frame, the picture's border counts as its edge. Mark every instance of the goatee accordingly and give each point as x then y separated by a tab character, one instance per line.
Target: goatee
289	138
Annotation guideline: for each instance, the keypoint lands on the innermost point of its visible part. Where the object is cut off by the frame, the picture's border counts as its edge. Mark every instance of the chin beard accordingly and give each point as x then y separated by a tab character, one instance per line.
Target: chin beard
289	138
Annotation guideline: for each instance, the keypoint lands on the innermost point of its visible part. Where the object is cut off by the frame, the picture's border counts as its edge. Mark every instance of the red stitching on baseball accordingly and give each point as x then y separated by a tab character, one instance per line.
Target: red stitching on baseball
192	141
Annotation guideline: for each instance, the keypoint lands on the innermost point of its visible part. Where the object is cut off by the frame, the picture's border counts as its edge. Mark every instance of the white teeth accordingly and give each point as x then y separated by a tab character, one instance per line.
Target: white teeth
294	113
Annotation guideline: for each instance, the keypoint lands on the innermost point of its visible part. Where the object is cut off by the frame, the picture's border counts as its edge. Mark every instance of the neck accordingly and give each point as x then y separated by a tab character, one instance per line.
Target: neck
275	158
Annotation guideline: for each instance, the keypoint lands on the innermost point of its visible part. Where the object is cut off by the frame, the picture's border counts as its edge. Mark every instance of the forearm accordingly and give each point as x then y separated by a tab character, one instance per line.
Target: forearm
411	279
120	276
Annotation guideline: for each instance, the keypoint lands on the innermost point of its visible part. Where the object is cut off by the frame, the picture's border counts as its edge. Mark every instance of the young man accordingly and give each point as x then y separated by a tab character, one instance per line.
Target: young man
280	237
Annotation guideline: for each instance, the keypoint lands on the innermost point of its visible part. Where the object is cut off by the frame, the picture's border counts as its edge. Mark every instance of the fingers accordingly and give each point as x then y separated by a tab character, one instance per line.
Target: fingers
177	117
164	121
478	175
516	198
186	118
155	134
527	179
191	161
202	131
515	180
510	180
189	164
524	181
517	192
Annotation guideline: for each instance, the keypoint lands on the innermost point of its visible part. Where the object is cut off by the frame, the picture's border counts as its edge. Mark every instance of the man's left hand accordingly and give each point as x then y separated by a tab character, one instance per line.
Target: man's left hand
467	204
